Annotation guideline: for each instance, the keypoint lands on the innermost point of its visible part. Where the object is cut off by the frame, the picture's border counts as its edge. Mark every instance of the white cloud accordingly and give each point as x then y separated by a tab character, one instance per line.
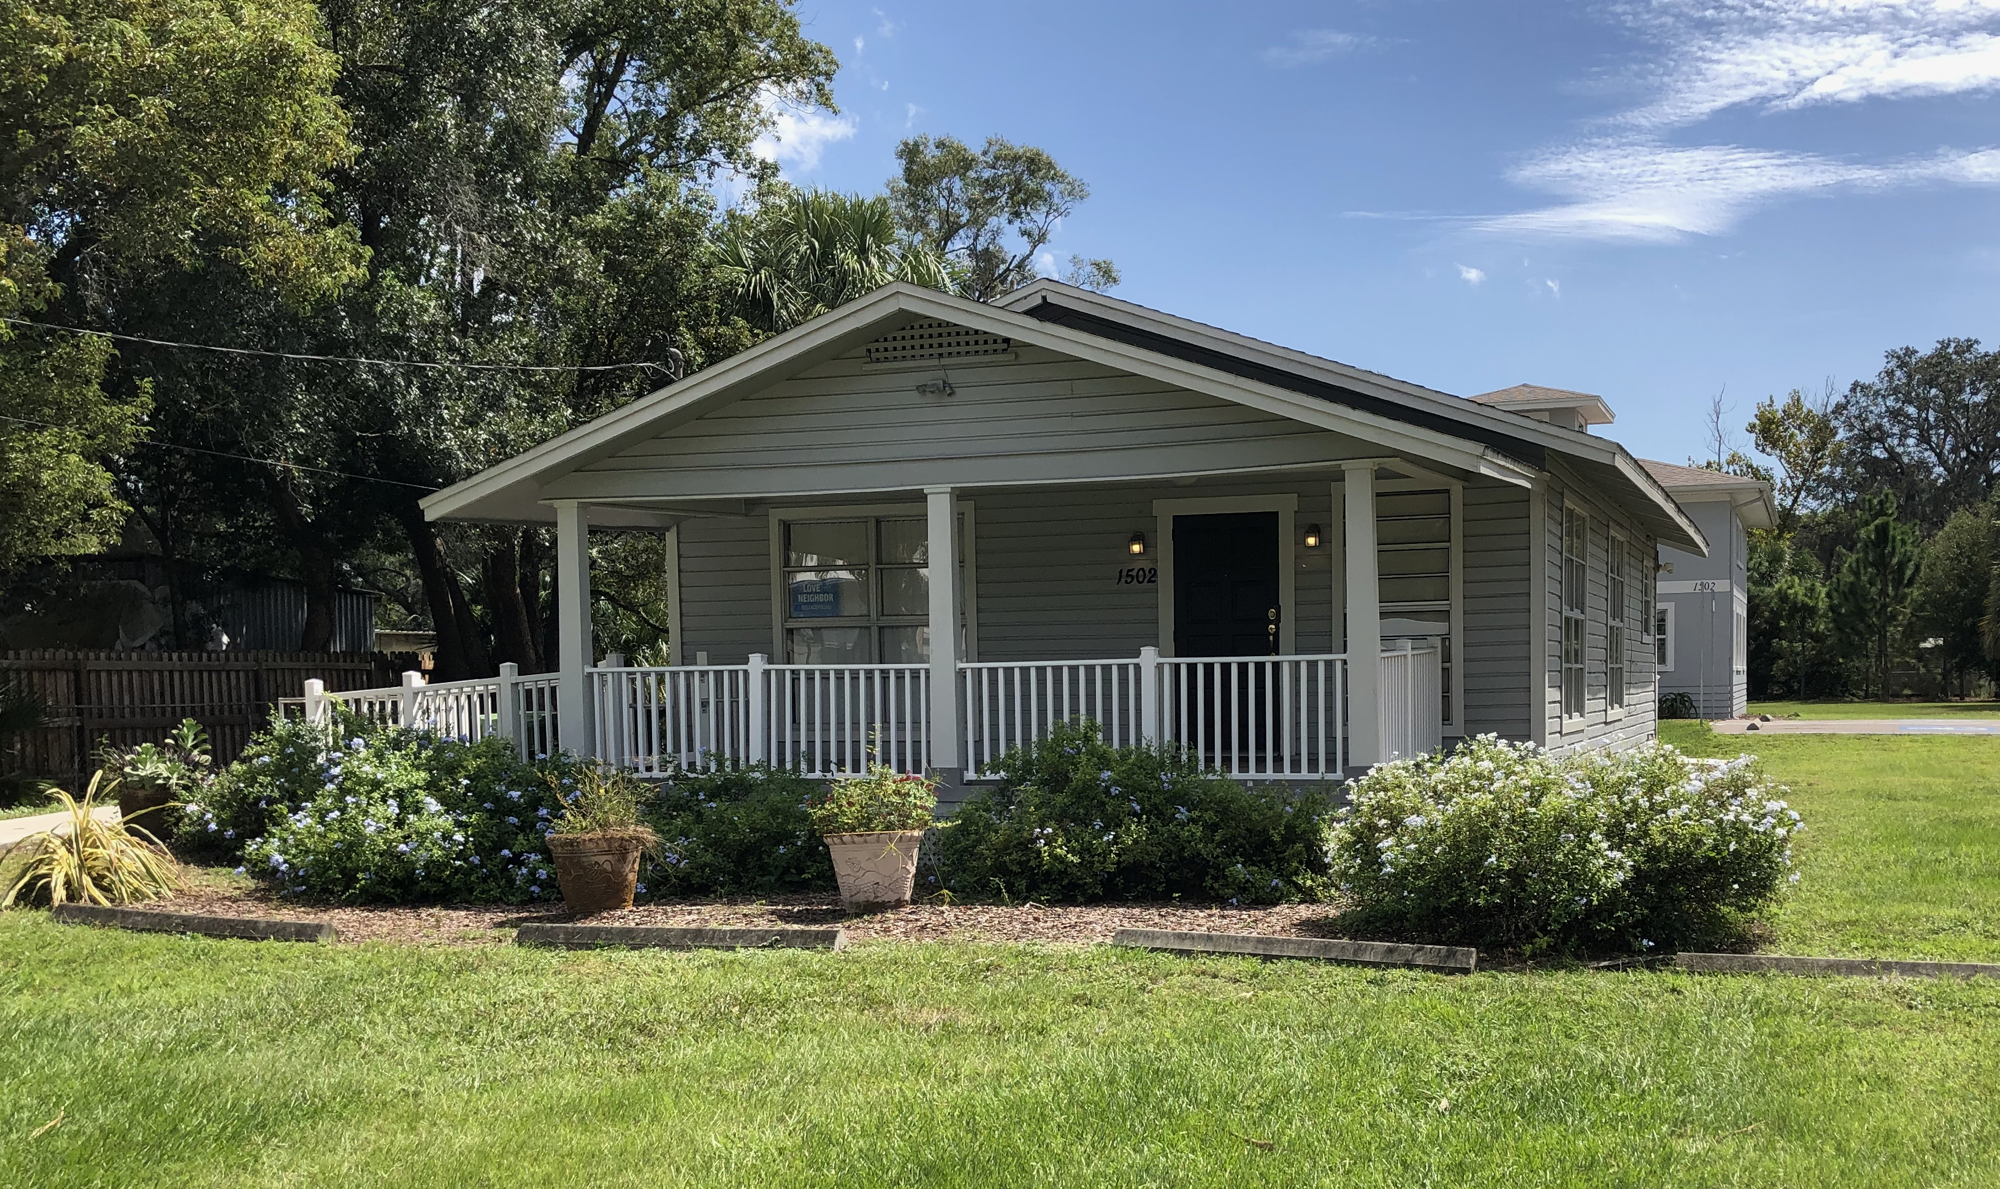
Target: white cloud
1306	46
1555	286
860	43
799	137
1470	275
1631	182
1644	190
884	27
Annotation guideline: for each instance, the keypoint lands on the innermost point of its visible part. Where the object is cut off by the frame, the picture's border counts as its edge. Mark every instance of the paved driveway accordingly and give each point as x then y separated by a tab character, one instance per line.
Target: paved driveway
13	829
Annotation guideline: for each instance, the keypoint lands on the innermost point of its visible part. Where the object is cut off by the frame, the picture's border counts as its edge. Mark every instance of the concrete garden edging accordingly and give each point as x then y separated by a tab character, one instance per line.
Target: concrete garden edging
1864	967
147	921
578	937
1449	959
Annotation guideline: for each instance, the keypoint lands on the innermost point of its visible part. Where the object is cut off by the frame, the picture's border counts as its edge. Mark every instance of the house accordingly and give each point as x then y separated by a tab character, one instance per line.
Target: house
1702	637
1295	567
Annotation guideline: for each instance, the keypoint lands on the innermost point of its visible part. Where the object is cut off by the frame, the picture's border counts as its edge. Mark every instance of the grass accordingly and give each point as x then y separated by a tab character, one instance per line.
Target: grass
28	809
185	1061
1901	856
1878	709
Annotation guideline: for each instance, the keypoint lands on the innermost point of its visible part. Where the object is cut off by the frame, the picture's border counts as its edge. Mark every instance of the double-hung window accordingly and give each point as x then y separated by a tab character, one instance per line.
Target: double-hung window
857	591
1615	611
1575	600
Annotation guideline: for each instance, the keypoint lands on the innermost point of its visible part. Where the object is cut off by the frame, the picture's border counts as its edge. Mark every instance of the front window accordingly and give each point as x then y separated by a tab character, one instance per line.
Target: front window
857	591
1413	560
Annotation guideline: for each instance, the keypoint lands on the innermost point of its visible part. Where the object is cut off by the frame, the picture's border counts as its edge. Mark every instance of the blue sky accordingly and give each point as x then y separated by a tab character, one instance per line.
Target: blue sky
1655	201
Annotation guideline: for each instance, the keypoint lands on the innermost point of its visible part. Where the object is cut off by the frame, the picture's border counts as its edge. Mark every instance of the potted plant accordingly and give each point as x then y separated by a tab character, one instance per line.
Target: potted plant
153	776
597	839
872	825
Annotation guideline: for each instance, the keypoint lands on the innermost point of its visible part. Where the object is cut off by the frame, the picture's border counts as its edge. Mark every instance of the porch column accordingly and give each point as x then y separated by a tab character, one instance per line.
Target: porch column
947	754
1364	620
573	635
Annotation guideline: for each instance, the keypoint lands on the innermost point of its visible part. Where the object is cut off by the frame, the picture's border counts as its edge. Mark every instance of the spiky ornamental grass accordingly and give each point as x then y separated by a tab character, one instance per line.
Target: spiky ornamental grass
89	860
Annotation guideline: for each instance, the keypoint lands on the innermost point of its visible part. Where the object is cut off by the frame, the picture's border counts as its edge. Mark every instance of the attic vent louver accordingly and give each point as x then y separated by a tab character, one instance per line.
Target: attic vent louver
936	340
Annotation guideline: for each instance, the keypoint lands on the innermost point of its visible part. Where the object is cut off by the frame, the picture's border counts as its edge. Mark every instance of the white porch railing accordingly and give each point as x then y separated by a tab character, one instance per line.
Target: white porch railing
1014	703
1257	718
1411	697
510	705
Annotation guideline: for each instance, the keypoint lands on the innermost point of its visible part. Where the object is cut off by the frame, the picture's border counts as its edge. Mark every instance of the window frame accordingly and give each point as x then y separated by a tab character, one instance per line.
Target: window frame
1663	636
1574	651
781	620
1617	622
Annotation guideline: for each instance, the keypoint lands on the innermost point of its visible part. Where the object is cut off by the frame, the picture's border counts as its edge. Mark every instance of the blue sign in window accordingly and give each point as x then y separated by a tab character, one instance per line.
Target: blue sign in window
815	598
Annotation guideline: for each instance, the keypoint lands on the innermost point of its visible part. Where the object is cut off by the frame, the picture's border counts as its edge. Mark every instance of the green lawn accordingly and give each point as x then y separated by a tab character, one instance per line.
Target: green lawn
183	1061
1901	856
179	1061
1878	709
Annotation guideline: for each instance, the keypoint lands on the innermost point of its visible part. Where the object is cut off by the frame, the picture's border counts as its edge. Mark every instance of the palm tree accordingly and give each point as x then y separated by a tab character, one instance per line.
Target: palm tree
808	251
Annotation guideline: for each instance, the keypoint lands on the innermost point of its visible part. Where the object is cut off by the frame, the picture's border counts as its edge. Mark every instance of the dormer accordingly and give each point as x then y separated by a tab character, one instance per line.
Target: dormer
1557	406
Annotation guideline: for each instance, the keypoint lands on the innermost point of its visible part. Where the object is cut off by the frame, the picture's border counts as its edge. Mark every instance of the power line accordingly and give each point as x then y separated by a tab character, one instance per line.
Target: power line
672	368
290	466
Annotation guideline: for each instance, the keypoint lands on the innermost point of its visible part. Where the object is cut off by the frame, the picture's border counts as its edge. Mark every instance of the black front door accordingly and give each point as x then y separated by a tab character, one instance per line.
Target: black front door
1226	584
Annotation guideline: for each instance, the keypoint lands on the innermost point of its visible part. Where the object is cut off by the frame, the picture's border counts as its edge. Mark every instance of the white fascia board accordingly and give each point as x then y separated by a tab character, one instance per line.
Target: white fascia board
1229	342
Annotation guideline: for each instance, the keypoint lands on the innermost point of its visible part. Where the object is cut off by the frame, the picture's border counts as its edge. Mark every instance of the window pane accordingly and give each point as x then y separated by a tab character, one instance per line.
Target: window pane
1410	532
1416	590
909	645
827	543
825	594
904	542
1413	503
828	646
906	591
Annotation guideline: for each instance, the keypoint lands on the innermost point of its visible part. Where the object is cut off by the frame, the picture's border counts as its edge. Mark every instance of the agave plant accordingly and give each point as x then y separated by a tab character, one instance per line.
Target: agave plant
89	859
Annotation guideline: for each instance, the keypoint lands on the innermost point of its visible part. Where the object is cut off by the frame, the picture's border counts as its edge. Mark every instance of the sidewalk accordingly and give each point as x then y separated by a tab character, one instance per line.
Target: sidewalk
13	829
1857	726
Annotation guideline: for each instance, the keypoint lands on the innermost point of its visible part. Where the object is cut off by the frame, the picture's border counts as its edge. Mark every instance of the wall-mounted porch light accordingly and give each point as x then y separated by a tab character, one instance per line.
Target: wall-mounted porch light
1137	544
1312	536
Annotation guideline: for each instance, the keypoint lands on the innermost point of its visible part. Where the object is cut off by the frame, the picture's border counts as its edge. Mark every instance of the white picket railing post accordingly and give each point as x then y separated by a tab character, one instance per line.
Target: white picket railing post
507	710
1149	695
412	682
757	707
315	695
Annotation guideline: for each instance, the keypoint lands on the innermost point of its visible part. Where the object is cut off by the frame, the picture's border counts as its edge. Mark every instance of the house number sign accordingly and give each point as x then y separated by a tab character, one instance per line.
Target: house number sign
1138	576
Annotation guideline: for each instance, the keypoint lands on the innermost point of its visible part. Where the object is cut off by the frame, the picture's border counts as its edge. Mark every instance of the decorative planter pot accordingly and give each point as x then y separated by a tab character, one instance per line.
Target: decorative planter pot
875	870
597	872
142	805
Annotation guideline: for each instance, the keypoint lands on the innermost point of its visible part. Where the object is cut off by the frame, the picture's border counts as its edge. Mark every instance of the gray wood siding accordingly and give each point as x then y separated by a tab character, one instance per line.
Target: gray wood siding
1599	727
725	568
843	427
1500	685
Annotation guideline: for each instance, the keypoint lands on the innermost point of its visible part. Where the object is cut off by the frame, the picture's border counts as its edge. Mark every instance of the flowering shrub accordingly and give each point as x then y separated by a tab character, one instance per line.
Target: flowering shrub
1076	819
1502	844
368	813
883	799
736	831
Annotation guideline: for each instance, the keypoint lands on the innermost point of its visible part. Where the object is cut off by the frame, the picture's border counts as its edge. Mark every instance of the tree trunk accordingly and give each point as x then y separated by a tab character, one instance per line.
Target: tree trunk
460	653
316	568
500	575
532	562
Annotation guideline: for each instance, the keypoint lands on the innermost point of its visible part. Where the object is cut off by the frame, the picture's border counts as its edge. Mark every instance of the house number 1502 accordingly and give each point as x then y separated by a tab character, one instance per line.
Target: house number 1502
1138	575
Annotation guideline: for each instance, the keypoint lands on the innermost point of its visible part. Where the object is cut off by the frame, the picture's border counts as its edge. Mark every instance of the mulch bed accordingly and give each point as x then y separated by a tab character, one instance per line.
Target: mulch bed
481	924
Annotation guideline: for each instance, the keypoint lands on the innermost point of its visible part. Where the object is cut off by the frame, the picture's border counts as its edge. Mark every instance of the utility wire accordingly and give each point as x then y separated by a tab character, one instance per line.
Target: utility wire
290	466
672	368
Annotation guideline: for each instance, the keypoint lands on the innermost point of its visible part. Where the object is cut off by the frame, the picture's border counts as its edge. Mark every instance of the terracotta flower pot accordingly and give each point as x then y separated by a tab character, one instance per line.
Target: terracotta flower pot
141	804
875	870
597	872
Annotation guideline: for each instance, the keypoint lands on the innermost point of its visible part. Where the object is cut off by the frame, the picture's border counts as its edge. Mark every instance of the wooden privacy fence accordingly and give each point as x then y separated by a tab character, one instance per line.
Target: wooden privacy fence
127	698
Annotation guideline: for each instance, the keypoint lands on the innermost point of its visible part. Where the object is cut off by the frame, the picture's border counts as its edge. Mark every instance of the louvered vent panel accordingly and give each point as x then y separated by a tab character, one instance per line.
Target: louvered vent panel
936	340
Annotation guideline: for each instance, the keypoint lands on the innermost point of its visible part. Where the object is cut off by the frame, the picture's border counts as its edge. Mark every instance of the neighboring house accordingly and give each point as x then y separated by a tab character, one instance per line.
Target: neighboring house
1704	614
1291	565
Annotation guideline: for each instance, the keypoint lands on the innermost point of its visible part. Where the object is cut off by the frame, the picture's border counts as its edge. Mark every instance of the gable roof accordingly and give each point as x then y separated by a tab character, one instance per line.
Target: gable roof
1406	418
1527	398
1750	497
